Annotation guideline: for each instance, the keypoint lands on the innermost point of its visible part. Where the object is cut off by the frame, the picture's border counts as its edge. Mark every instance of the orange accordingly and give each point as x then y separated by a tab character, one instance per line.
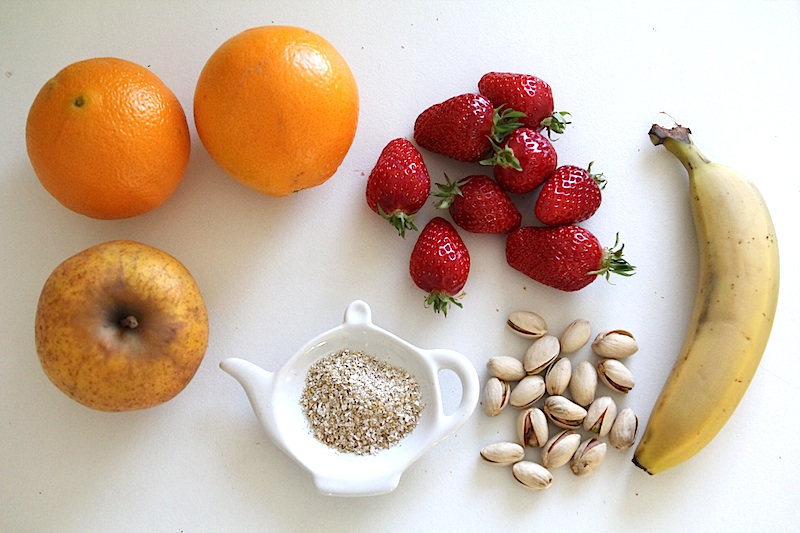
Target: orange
277	108
108	139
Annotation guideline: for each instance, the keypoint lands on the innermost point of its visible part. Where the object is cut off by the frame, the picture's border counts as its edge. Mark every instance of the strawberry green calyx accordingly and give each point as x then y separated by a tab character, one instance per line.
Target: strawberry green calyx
556	123
448	191
502	156
440	301
613	262
400	220
505	120
598	179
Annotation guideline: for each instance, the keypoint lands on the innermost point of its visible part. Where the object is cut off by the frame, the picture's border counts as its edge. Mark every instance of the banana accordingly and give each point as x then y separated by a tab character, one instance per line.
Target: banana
733	310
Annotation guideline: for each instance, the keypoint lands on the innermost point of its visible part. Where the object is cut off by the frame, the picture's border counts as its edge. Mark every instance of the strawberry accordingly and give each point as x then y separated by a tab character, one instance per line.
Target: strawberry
525	93
440	264
399	185
478	205
570	195
461	127
524	161
567	258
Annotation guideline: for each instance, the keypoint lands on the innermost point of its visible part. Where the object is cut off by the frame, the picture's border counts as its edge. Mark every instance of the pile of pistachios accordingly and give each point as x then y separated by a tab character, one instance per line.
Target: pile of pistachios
570	399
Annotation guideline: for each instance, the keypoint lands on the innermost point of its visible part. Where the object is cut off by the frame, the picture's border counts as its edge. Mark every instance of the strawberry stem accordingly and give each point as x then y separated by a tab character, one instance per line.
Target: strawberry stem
401	221
556	123
502	156
440	301
448	191
613	262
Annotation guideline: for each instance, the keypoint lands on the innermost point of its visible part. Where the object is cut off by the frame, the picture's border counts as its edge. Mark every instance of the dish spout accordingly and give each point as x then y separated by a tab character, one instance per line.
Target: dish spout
256	382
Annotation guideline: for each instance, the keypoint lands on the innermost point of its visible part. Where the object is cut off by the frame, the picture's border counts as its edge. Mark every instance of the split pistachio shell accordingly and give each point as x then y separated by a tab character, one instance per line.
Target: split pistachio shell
503	453
588	457
615	375
583	383
505	367
532	475
542	352
623	432
560	448
527	392
532	427
615	344
576	335
557	377
496	394
563	412
600	416
526	324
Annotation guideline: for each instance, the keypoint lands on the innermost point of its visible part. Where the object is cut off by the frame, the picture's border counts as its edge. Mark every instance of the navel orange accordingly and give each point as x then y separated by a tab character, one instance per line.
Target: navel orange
108	139
277	108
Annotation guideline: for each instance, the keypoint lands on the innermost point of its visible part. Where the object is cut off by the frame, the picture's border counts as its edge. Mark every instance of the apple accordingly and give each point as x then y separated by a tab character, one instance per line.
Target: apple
121	326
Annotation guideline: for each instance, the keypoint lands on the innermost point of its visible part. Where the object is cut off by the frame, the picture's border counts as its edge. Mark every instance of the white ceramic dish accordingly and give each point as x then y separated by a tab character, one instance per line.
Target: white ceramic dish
275	398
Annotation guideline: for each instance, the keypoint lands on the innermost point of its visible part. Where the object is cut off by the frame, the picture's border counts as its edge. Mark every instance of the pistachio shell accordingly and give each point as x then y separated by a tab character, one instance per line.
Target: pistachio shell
526	324
532	475
503	453
505	367
542	352
588	457
527	392
615	344
583	383
615	375
623	431
560	448
532	427
496	394
600	416
563	412
557	377
576	335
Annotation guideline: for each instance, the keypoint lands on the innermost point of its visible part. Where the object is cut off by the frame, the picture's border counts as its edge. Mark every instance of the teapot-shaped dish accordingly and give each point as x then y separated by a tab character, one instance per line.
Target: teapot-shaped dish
276	400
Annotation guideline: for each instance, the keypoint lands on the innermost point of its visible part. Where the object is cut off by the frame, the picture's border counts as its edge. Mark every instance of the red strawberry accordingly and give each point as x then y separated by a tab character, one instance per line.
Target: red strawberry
440	264
570	195
399	185
478	205
461	126
524	161
525	93
567	258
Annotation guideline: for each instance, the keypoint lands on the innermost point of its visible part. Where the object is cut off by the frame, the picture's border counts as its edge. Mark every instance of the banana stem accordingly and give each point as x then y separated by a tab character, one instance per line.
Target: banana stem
678	141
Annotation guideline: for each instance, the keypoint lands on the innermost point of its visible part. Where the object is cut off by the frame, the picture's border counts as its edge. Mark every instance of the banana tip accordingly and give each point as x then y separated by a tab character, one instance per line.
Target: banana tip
637	463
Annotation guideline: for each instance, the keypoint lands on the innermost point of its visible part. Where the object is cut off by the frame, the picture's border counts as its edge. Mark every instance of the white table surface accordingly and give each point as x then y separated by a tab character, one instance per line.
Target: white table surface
275	272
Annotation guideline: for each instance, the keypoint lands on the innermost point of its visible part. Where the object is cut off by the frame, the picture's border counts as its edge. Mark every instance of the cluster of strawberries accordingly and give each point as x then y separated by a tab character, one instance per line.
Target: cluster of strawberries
500	126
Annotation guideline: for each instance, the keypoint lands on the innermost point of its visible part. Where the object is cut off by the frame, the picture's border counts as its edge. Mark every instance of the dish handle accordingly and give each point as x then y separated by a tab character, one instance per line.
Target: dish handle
443	359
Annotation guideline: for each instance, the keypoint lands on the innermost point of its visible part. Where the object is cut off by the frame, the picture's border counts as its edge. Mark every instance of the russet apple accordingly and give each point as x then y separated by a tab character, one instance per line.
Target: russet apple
121	326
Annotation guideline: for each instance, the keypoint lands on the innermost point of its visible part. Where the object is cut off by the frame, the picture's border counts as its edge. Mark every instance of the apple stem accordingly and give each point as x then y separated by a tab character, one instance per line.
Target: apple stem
129	322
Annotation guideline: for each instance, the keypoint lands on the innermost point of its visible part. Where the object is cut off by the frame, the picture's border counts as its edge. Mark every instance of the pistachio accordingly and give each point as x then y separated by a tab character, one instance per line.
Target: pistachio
583	383
600	416
575	336
526	324
503	453
532	427
560	448
505	367
623	431
615	344
588	457
542	352
527	392
496	394
615	375
557	377
563	412
532	475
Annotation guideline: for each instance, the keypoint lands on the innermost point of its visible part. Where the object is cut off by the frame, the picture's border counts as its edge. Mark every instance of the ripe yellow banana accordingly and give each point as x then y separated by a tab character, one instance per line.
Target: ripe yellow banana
733	310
